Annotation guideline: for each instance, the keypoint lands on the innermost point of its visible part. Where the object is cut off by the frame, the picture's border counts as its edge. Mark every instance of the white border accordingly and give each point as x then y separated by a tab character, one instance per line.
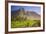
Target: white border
23	29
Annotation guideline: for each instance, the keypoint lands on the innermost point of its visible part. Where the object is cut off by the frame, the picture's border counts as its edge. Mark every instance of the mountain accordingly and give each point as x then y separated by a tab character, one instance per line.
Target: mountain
25	14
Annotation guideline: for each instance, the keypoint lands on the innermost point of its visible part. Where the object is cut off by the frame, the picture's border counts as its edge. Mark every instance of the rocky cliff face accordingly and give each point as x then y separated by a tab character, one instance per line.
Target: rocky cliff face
25	14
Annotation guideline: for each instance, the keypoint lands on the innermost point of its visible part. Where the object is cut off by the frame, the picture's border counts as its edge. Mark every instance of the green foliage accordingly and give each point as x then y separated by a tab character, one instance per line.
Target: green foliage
37	24
25	23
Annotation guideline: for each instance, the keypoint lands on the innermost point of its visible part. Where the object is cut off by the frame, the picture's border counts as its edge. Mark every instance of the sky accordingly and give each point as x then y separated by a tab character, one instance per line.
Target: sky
36	9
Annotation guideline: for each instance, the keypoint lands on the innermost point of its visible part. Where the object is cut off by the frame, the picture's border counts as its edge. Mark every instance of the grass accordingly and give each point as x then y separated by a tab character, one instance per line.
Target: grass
25	23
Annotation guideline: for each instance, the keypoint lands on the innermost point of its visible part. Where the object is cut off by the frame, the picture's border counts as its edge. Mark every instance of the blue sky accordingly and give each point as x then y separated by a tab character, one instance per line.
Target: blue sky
36	9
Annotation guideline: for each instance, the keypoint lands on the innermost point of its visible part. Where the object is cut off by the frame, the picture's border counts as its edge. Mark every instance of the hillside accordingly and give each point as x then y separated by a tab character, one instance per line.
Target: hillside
25	14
